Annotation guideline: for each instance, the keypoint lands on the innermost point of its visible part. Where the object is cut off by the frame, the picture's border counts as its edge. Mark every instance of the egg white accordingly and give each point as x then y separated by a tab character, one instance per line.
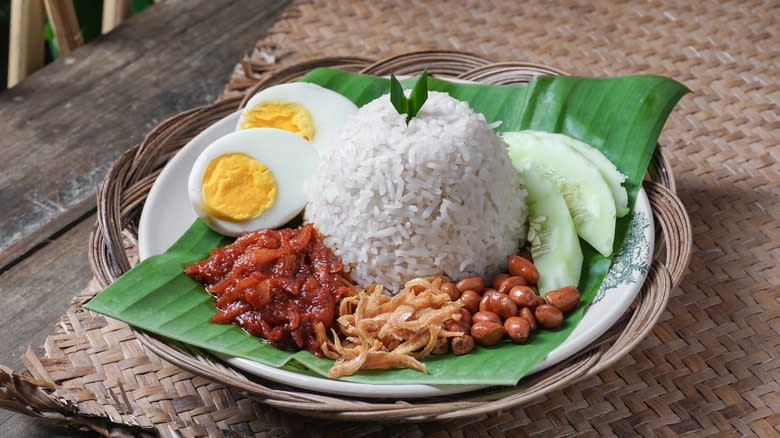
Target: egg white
291	160
328	109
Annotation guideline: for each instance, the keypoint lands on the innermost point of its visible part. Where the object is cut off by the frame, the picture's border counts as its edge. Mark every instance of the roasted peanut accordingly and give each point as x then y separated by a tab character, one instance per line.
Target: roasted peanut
523	296
498	279
485	303
504	306
565	298
470	300
538	301
522	268
499	304
462	345
451	289
465	316
476	283
528	315
487	333
548	316
517	329
442	347
457	326
527	255
511	282
485	316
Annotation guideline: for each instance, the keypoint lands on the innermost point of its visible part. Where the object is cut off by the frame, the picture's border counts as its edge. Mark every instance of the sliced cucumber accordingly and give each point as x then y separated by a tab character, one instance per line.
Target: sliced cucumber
555	246
586	193
608	171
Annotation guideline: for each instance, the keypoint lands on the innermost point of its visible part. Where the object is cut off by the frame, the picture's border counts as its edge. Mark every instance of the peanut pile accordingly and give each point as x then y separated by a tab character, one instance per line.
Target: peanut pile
511	306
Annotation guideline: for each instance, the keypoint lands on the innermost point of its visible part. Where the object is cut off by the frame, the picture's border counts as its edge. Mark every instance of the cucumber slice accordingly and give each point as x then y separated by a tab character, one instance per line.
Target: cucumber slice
586	193
555	246
608	171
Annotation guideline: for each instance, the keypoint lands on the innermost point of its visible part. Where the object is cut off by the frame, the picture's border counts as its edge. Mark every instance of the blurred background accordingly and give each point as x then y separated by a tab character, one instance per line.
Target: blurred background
39	45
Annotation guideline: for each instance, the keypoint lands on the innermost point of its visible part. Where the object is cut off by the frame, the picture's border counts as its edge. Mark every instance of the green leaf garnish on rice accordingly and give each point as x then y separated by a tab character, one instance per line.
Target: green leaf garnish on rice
397	96
411	105
621	116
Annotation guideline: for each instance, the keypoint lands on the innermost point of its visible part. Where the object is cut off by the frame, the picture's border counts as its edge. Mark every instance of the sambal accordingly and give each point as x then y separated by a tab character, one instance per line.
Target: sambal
275	284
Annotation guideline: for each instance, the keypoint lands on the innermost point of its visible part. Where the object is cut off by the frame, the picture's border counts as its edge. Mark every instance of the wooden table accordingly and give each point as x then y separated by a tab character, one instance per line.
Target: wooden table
61	129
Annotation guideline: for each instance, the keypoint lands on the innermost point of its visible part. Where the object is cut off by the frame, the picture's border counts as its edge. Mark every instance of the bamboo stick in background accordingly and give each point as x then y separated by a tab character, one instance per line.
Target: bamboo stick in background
25	45
62	16
114	12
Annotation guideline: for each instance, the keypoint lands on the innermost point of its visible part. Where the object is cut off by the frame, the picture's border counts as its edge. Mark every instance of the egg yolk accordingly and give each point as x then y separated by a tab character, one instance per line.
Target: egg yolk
281	115
237	187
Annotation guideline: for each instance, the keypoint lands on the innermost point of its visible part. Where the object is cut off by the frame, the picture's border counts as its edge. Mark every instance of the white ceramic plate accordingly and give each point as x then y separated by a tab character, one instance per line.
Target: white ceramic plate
167	214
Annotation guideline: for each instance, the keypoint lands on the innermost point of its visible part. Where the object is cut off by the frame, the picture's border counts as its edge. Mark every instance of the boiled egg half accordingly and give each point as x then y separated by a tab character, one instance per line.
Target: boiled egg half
314	113
251	179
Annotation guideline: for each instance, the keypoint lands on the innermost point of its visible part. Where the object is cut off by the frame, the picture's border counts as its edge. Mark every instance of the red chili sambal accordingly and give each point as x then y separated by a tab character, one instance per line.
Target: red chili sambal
275	284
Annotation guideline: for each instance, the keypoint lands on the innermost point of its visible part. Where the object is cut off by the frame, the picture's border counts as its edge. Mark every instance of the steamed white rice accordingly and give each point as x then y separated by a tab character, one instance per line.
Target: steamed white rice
439	196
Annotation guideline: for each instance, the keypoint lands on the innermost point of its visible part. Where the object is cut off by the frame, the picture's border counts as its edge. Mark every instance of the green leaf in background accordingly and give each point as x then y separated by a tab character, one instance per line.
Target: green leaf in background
498	103
89	15
139	5
620	116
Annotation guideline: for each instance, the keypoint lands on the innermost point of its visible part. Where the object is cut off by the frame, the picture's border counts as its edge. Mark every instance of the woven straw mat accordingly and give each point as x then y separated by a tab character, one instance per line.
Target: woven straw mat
711	366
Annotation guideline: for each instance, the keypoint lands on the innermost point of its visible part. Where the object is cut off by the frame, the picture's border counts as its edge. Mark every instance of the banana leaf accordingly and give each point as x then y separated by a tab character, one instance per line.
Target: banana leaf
621	116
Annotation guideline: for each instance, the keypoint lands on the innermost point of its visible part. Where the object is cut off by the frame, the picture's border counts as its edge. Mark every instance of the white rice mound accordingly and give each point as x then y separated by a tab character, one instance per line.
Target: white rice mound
439	196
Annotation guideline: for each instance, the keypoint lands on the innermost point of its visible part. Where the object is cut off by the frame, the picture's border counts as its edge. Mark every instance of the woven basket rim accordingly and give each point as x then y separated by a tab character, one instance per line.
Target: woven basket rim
123	191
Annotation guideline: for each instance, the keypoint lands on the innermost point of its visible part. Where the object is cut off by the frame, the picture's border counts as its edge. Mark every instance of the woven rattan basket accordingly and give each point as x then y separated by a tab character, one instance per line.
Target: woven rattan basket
121	197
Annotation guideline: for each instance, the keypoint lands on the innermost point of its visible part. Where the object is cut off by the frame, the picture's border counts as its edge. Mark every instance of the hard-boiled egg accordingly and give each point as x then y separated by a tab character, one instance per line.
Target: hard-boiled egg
311	111
251	179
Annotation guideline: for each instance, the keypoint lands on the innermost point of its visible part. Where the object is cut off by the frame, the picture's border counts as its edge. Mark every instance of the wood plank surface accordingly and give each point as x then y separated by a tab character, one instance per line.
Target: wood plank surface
63	126
61	129
34	293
